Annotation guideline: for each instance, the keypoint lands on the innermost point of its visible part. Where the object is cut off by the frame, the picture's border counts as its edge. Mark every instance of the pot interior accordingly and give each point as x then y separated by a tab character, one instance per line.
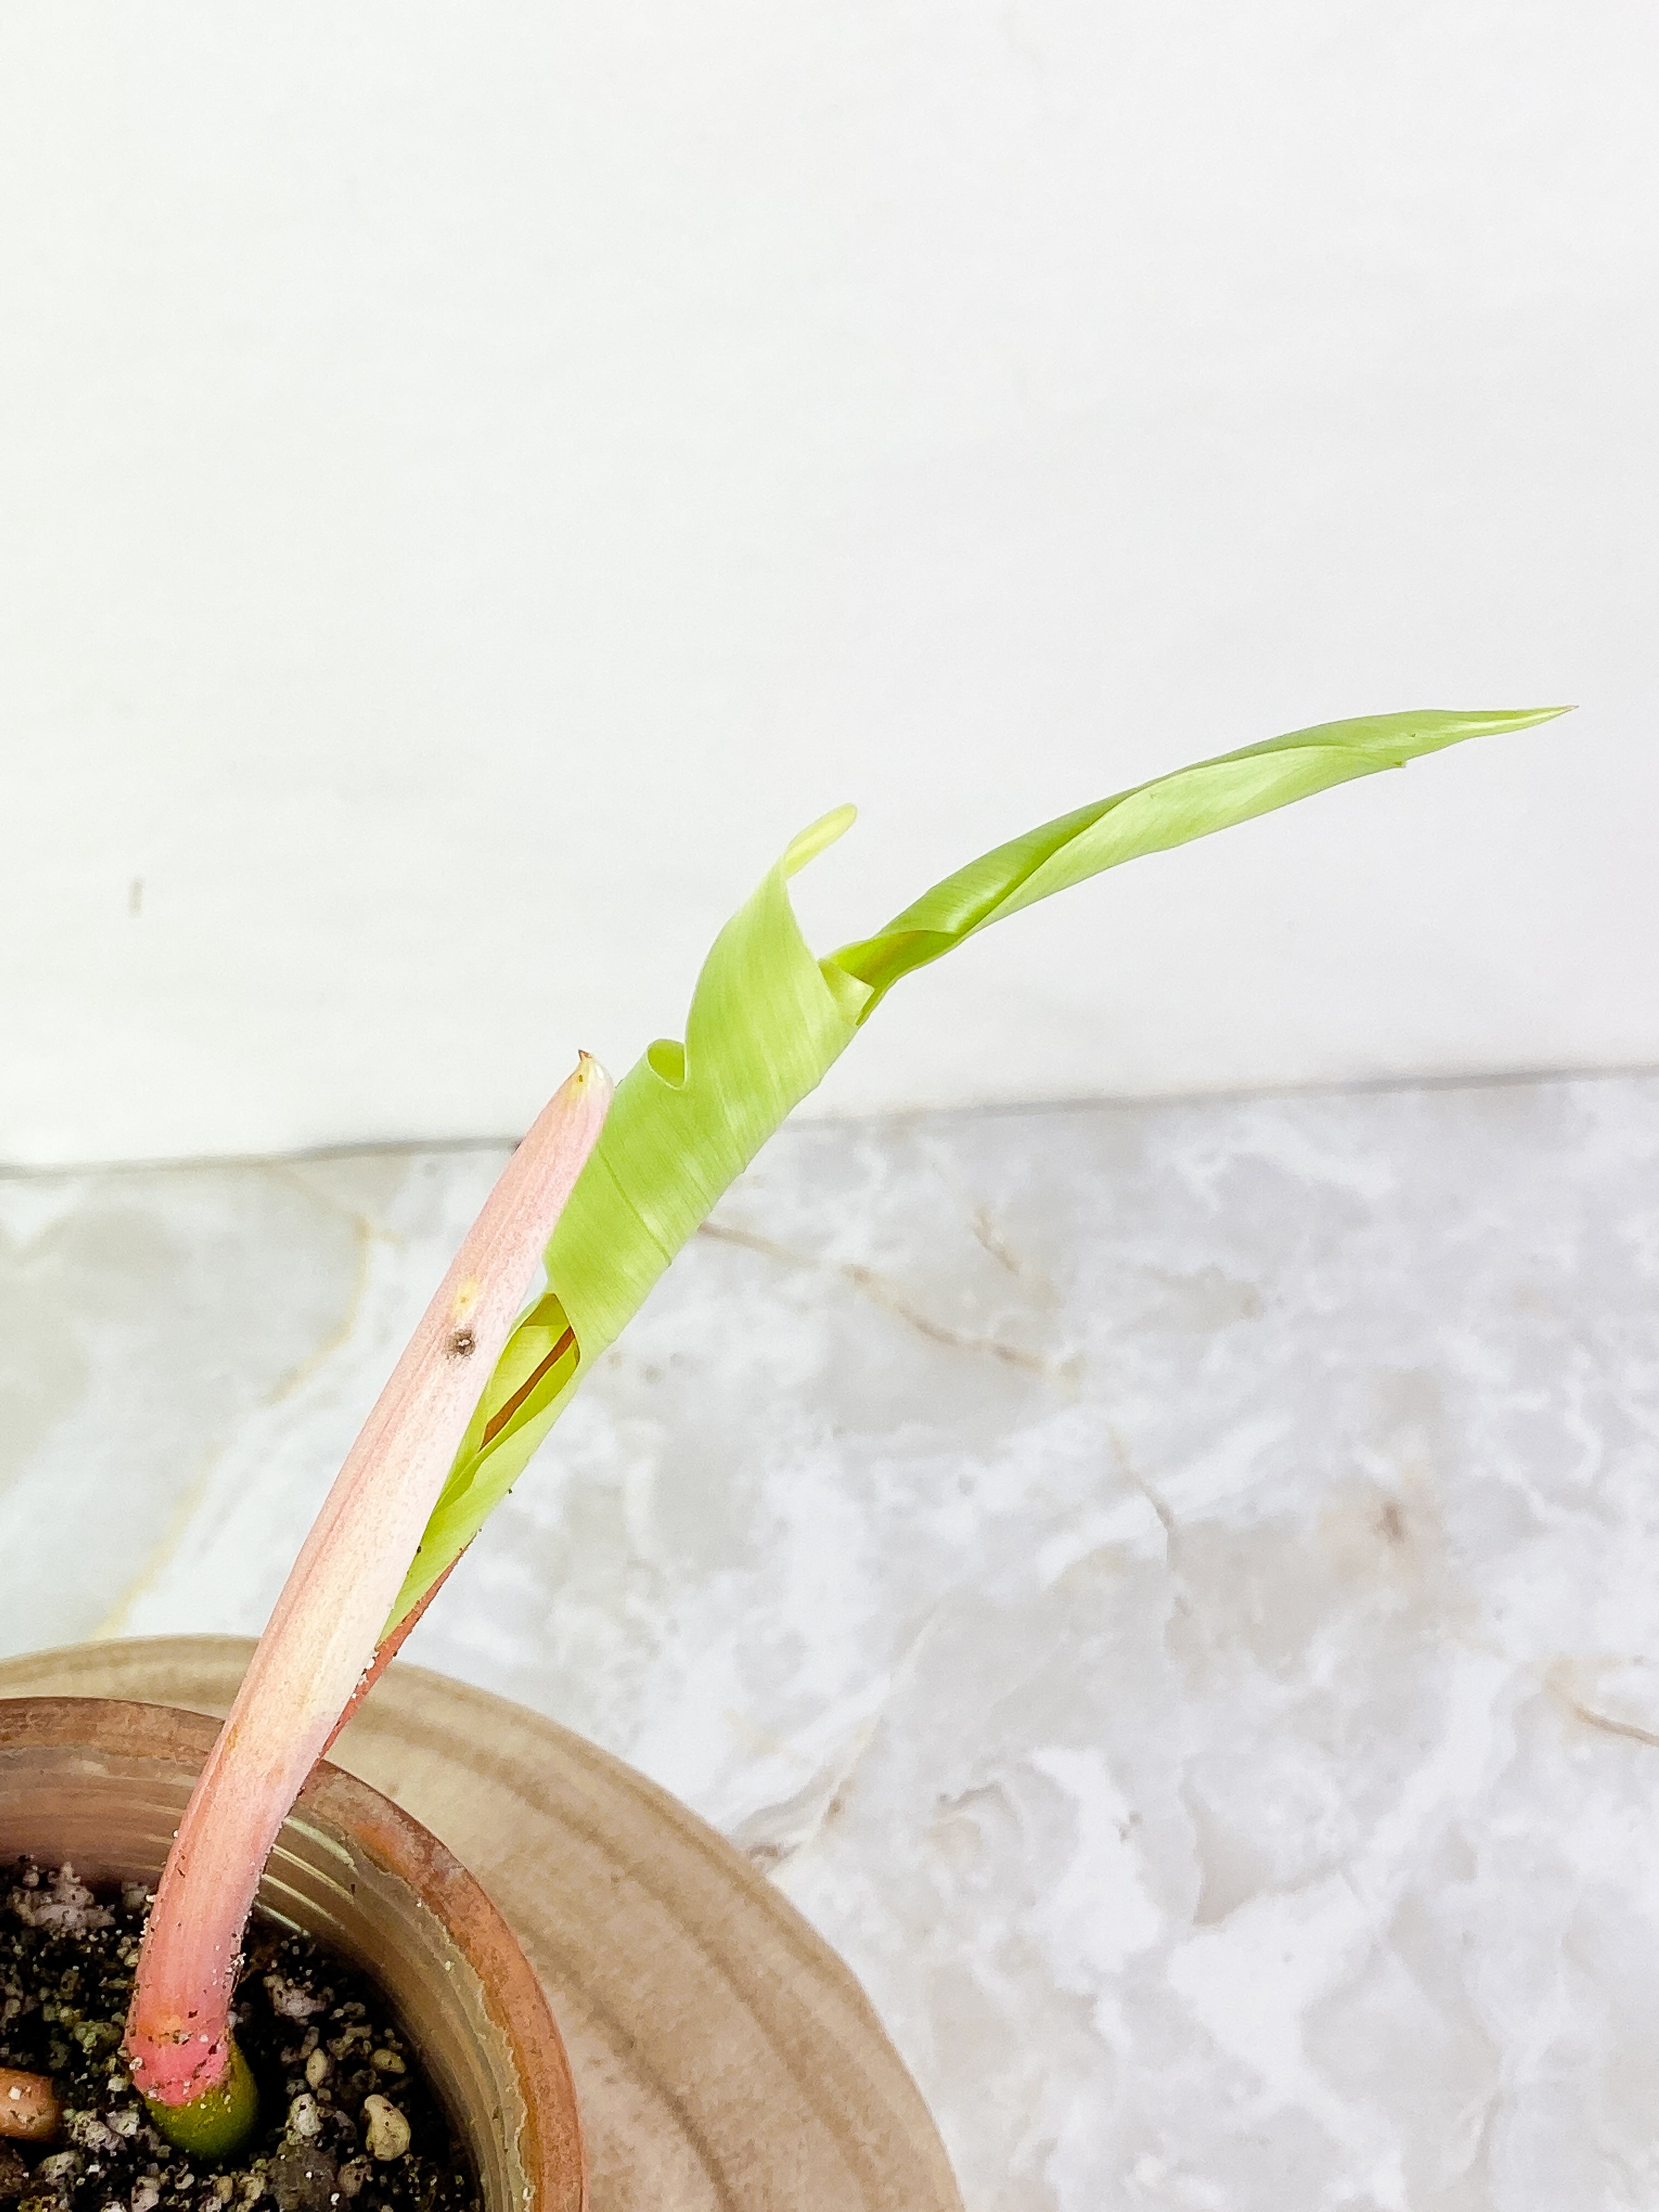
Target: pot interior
347	1869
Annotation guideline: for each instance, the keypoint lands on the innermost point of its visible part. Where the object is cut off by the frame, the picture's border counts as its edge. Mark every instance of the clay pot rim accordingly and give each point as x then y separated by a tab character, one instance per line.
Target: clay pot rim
400	1846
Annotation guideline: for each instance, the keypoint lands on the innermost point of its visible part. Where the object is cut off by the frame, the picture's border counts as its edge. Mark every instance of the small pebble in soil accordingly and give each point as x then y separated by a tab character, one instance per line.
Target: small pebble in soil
348	2118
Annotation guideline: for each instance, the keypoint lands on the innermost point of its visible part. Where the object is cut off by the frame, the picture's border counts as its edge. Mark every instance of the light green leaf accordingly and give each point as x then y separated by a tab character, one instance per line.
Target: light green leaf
767	1023
1152	817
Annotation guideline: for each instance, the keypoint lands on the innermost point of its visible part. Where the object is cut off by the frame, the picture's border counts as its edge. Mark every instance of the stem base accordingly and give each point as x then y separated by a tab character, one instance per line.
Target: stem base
215	2125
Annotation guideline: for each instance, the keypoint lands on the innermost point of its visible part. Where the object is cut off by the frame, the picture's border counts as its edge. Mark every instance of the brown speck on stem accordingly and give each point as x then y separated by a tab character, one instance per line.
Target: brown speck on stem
462	1344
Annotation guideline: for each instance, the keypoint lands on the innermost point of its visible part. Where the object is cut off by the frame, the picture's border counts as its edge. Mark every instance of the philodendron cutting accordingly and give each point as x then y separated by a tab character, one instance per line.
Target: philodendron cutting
605	1191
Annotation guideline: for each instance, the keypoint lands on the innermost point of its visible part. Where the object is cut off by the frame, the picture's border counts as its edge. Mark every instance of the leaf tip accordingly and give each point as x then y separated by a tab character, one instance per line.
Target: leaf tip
1528	718
813	839
590	1071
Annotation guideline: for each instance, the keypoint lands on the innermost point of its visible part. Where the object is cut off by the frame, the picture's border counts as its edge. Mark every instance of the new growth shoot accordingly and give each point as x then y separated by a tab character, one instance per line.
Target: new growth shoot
768	1020
322	1636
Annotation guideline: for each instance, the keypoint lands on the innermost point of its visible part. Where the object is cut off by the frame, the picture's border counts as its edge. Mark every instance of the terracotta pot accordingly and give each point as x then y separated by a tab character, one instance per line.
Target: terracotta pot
103	1782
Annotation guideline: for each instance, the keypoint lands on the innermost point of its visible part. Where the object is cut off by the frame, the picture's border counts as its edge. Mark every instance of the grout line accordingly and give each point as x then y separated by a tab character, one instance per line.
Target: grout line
1083	1102
1366	1086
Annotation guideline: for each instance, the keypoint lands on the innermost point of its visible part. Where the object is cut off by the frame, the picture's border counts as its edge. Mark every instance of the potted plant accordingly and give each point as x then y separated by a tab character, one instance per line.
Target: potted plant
100	1785
603	1192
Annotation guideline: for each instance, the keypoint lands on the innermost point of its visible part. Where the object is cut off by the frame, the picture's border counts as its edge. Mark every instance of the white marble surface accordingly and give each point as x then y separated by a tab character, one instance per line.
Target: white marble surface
1171	1591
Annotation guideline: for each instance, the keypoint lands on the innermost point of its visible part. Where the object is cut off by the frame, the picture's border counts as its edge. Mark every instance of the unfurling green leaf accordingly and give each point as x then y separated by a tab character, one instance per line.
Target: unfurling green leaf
767	1022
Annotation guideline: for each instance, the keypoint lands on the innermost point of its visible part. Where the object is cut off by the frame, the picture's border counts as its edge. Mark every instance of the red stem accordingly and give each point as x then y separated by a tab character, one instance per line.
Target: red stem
324	1633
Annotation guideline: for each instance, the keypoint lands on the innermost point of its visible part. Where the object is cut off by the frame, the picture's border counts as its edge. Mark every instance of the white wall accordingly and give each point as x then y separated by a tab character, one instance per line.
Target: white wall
474	480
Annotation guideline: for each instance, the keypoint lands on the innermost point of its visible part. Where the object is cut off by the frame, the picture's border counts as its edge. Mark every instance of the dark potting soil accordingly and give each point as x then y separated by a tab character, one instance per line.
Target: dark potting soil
347	2122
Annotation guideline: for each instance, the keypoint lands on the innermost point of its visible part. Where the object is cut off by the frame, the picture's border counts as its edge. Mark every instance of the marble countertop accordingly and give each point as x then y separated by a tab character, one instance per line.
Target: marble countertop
1172	1591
